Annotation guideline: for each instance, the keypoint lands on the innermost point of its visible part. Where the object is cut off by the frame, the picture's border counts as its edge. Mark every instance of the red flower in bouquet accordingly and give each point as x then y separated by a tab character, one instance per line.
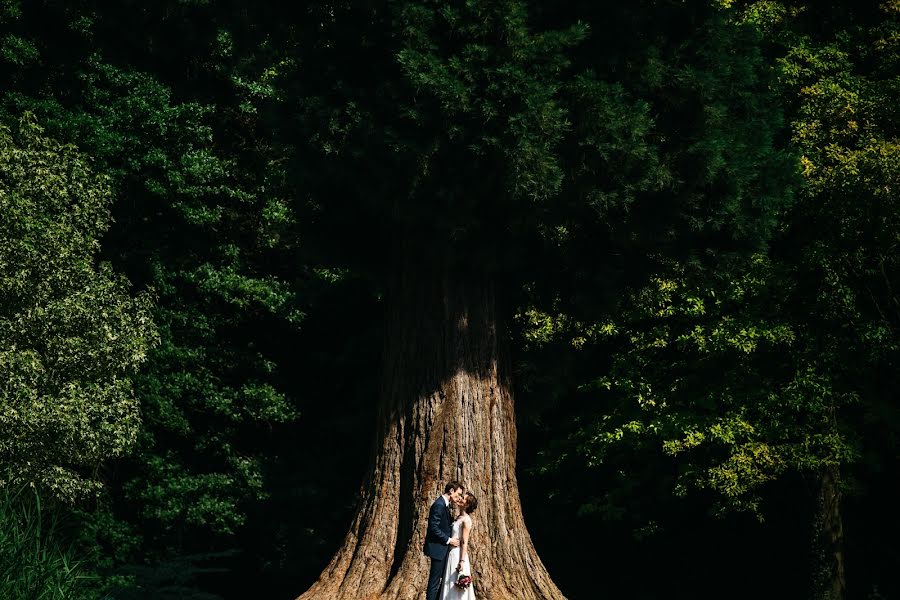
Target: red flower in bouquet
463	581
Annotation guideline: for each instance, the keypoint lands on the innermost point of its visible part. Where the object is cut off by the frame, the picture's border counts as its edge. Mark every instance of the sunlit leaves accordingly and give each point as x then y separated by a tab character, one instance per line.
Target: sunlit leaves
72	334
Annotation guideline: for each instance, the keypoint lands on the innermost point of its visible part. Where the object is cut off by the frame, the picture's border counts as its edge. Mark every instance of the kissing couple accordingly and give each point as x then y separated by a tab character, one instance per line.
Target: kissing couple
447	543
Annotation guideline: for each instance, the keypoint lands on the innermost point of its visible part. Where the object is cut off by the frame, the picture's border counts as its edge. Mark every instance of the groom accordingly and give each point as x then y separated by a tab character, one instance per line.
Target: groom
437	537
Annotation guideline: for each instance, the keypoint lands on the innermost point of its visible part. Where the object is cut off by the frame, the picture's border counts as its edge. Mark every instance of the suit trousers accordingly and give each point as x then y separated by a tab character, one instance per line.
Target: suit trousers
435	578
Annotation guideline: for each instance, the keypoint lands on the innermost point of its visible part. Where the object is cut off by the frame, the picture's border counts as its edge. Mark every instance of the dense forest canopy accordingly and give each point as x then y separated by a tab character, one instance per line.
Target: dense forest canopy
629	269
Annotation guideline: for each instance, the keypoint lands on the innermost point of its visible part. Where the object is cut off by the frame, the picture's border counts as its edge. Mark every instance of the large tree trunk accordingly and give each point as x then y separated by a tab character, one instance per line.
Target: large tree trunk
831	582
446	412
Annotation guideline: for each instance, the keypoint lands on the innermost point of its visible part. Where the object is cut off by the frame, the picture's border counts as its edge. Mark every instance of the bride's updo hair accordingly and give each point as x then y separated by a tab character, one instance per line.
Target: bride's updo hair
471	502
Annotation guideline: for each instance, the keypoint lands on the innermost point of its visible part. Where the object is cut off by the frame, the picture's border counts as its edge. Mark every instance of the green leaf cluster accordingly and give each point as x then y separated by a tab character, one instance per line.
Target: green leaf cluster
73	335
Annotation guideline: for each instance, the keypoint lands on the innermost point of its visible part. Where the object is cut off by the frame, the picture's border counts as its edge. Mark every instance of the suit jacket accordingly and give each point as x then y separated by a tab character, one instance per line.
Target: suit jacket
439	529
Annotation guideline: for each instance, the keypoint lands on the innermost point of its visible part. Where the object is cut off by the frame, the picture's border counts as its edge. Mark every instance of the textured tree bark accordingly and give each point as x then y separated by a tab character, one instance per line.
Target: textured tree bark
446	412
834	584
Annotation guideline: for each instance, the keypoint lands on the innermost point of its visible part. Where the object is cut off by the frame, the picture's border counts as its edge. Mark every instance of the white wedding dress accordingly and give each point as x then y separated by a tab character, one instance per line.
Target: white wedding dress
449	591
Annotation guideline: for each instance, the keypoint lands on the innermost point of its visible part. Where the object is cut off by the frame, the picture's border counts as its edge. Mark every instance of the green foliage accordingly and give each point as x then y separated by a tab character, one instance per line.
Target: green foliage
72	335
709	375
485	81
202	221
34	564
689	116
731	377
690	206
845	125
840	82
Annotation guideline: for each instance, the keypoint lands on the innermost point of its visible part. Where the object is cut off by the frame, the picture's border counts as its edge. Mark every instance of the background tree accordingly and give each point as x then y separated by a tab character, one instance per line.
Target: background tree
839	72
500	184
467	123
202	221
737	379
72	334
318	192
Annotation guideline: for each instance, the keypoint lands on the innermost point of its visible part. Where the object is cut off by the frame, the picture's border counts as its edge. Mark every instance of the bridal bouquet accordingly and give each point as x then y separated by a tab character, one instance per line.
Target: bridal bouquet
463	581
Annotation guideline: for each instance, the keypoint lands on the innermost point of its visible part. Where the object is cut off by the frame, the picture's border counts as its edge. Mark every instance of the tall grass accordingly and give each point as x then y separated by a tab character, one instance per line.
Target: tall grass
34	563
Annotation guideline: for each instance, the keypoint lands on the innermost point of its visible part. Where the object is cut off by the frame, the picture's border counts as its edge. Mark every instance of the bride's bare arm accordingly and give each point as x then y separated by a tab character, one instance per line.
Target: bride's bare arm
464	542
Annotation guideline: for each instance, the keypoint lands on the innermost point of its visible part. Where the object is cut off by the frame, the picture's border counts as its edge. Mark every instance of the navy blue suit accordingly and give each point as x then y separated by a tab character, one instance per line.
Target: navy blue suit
436	537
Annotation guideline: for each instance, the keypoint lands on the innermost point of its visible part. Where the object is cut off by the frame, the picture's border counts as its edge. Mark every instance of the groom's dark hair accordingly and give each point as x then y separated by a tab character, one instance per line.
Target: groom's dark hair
452	485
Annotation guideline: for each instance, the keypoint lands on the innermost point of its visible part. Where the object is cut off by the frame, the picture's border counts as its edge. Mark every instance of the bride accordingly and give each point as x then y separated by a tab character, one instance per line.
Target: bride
458	560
